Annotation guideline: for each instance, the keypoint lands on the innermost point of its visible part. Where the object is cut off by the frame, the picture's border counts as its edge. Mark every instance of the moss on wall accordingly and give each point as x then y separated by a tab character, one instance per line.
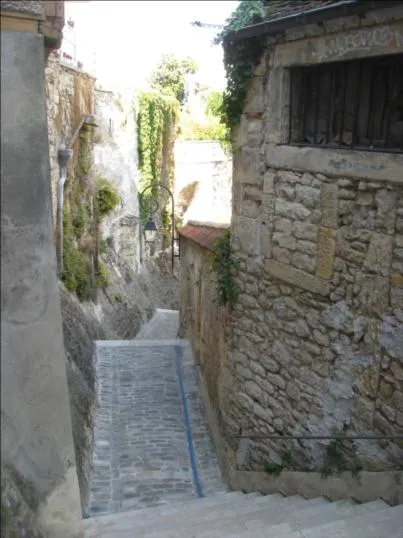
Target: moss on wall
87	201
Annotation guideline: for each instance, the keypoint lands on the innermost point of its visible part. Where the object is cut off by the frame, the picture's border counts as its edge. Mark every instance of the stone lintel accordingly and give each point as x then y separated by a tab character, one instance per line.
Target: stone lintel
296	277
375	166
379	40
19	22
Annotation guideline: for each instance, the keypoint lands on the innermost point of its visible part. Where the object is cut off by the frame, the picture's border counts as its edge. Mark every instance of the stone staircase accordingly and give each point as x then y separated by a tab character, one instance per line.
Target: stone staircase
238	515
146	491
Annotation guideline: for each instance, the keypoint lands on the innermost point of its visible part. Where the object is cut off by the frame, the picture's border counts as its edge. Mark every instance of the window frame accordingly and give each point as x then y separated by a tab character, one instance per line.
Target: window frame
331	68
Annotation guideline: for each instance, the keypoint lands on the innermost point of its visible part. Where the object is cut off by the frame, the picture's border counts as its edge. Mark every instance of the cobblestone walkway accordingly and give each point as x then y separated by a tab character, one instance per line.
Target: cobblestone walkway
151	439
163	326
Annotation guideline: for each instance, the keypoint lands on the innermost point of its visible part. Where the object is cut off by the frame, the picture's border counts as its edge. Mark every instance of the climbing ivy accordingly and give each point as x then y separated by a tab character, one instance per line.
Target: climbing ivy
223	265
157	121
240	58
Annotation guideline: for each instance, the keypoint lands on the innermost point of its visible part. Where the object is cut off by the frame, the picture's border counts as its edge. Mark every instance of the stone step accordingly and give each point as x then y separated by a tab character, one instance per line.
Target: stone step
226	508
236	519
385	523
304	517
170	511
340	519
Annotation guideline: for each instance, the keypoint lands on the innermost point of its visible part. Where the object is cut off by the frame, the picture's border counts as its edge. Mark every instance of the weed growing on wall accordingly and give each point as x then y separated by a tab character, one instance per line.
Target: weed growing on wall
276	469
223	266
106	196
334	458
83	212
240	58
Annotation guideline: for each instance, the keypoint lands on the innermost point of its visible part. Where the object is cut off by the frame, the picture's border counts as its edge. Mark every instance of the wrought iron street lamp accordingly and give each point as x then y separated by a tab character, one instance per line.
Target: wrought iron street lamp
150	207
150	230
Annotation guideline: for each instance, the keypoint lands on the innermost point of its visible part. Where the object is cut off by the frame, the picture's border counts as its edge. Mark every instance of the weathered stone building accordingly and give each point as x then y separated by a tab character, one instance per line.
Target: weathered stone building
314	344
40	491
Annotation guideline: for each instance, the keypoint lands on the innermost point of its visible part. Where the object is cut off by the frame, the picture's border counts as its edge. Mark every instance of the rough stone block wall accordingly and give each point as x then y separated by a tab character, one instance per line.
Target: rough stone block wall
80	329
69	95
202	320
317	333
317	341
115	158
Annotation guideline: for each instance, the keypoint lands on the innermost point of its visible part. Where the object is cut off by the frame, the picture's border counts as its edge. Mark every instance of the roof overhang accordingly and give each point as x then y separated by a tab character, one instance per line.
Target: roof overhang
343	8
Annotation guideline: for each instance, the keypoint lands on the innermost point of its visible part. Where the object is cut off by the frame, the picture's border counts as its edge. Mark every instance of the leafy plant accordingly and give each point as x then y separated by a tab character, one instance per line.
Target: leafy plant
274	469
169	77
102	277
157	121
84	160
106	196
223	265
75	275
334	458
214	103
355	472
212	128
287	459
103	246
240	58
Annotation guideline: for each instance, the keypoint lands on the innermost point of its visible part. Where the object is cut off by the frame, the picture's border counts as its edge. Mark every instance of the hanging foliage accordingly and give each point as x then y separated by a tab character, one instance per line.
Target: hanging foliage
224	265
157	121
240	58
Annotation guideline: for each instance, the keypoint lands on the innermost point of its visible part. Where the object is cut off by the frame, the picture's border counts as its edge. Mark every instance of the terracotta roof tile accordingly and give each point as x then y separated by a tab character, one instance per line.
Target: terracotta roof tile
203	235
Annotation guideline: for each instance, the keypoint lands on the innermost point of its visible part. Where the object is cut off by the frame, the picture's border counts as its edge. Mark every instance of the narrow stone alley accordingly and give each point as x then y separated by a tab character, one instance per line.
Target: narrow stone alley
152	444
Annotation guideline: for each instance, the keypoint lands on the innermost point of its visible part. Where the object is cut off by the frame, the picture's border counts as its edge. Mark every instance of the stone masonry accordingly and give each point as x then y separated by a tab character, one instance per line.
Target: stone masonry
315	340
317	333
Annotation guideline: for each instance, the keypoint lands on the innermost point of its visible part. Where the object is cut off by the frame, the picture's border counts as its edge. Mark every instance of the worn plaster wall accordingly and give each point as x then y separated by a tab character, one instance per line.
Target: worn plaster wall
69	96
317	333
203	174
115	157
37	443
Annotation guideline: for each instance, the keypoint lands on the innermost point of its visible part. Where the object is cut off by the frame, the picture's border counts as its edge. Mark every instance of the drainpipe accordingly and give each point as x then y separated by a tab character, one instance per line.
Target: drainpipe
63	155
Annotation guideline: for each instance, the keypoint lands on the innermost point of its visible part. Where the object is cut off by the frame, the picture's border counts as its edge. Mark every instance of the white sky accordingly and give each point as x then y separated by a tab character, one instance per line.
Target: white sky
129	37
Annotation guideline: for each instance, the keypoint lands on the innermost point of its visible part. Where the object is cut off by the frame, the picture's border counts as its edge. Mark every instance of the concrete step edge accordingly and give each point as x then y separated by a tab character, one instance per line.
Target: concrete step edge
176	507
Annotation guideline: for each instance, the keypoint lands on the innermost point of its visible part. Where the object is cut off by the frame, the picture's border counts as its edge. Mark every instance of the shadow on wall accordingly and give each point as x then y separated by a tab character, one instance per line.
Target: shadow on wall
186	196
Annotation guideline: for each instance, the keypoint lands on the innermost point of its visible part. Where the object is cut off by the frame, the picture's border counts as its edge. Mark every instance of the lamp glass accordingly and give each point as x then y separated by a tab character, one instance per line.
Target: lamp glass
150	230
150	235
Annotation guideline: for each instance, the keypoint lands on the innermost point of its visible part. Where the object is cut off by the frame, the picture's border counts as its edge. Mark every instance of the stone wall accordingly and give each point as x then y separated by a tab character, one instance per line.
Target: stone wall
69	95
36	442
317	334
115	158
80	329
202	321
203	175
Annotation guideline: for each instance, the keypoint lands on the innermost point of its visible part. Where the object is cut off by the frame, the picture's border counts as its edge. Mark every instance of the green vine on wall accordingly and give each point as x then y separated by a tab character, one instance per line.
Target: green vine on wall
223	265
82	215
240	58
157	121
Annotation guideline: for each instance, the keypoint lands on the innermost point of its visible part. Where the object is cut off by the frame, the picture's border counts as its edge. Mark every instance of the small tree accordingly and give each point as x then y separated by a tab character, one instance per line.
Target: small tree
169	77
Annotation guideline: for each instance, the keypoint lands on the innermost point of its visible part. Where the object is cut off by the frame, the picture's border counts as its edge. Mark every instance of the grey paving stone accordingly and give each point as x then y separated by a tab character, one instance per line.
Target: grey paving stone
141	453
